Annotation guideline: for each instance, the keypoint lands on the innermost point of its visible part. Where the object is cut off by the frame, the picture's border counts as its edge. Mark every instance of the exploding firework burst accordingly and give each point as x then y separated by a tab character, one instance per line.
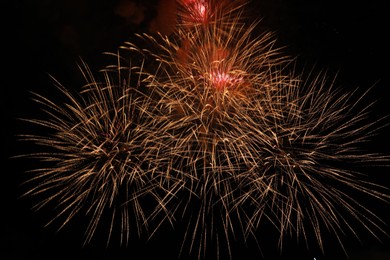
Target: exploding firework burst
310	155
211	89
210	126
99	155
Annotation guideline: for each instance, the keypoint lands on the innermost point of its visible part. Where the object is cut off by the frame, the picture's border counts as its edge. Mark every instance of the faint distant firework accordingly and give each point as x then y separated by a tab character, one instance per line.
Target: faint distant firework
211	127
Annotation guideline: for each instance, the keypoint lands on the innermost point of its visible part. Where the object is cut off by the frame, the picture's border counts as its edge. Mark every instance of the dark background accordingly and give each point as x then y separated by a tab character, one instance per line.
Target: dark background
42	37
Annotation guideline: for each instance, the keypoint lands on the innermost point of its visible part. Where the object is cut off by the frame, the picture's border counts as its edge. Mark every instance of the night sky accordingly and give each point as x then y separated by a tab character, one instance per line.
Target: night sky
43	37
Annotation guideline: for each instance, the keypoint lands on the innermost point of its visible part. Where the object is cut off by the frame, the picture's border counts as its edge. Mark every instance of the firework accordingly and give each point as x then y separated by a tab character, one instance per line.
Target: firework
212	128
98	155
210	91
310	156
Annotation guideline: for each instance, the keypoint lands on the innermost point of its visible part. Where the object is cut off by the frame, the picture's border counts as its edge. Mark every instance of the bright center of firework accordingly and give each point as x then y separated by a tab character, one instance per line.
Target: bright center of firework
222	80
198	10
201	8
